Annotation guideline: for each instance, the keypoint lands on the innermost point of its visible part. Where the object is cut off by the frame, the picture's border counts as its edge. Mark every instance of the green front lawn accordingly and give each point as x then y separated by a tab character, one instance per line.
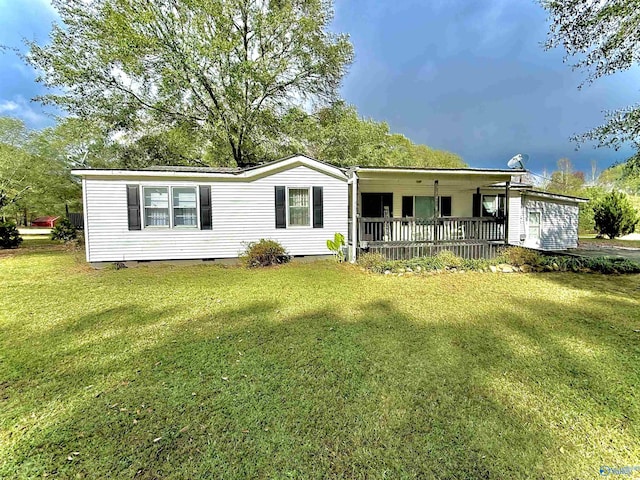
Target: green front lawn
313	371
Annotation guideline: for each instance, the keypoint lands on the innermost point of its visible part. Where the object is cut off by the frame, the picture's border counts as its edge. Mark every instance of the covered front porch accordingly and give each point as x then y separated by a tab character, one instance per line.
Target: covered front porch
405	213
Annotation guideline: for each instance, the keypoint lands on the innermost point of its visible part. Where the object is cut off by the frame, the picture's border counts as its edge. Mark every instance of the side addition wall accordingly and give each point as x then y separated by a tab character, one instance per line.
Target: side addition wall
559	222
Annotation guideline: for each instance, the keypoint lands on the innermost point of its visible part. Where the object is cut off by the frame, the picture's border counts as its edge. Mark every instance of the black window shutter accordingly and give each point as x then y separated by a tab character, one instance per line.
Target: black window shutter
407	206
281	208
318	213
477	205
445	206
133	207
205	207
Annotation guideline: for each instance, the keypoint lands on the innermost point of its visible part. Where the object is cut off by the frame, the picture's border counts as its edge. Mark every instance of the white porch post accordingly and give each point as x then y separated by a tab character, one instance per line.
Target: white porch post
507	193
354	217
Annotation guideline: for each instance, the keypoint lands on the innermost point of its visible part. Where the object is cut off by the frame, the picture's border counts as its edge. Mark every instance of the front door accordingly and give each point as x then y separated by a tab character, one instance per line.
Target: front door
375	204
534	228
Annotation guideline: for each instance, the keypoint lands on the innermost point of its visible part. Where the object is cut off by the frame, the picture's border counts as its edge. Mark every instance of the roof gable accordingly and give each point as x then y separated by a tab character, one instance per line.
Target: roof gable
222	173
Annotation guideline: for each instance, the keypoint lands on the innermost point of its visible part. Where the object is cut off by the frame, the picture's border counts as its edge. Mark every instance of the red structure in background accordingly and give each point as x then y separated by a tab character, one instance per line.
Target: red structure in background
48	222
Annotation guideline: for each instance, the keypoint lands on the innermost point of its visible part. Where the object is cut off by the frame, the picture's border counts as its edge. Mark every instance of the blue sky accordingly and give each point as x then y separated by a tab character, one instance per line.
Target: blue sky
466	76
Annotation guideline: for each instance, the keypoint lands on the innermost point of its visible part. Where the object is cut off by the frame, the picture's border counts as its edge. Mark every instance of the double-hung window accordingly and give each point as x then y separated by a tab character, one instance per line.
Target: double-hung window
185	209
170	207
299	210
156	207
534	225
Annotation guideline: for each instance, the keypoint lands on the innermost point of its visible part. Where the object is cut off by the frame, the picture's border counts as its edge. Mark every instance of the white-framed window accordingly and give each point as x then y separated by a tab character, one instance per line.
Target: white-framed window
298	205
535	225
156	207
170	207
493	206
185	207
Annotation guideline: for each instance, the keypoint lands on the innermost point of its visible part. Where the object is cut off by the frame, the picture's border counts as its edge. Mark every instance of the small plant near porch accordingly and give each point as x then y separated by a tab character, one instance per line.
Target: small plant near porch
336	246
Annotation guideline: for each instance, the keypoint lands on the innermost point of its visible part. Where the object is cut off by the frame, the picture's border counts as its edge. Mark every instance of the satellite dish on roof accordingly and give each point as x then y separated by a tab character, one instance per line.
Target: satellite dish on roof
518	161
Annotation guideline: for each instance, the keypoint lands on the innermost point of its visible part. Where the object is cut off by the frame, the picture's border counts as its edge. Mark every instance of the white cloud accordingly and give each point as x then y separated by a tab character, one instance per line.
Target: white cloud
31	113
8	106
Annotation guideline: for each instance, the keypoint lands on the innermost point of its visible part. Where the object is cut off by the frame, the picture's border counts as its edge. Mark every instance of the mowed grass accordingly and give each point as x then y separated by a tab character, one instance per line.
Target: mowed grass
313	371
606	242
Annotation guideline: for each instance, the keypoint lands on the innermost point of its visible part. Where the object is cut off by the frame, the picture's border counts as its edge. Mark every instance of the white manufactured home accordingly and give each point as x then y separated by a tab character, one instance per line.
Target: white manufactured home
186	213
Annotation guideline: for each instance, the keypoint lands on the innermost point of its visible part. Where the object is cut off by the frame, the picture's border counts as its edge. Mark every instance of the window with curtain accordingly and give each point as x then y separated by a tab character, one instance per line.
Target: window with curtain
493	206
185	210
299	211
156	206
425	207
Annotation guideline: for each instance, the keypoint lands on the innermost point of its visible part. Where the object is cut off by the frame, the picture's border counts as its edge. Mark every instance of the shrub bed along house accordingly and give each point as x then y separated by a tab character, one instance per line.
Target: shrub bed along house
512	259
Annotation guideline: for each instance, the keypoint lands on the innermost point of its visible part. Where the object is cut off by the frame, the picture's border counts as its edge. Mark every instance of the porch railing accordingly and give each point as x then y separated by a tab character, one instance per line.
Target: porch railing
430	230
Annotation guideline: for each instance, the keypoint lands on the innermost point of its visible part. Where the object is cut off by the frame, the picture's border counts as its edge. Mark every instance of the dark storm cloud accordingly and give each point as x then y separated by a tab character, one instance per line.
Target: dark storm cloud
472	77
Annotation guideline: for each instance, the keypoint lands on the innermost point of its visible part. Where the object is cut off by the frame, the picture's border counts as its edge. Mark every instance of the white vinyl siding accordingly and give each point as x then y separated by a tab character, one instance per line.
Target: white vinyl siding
558	222
516	226
243	211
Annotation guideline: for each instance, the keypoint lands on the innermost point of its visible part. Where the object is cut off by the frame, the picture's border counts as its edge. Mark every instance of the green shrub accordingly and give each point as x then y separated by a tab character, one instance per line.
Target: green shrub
372	261
9	235
519	256
478	264
449	259
586	223
264	253
64	231
614	215
513	255
606	265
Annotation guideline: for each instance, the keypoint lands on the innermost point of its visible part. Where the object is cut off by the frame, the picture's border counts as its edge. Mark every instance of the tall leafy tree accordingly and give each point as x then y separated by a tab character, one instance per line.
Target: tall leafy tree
337	134
601	38
565	180
35	173
229	68
14	160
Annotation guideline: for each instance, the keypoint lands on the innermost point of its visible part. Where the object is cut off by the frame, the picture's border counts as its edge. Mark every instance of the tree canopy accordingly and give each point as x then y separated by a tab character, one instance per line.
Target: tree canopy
338	135
565	180
601	38
228	68
35	168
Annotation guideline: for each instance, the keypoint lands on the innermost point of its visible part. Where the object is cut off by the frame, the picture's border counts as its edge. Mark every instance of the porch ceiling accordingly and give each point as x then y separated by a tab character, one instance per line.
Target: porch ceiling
484	177
442	171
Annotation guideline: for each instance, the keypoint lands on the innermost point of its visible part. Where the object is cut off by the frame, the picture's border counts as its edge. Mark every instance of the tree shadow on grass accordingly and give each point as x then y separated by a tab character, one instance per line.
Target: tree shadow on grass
596	282
317	395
